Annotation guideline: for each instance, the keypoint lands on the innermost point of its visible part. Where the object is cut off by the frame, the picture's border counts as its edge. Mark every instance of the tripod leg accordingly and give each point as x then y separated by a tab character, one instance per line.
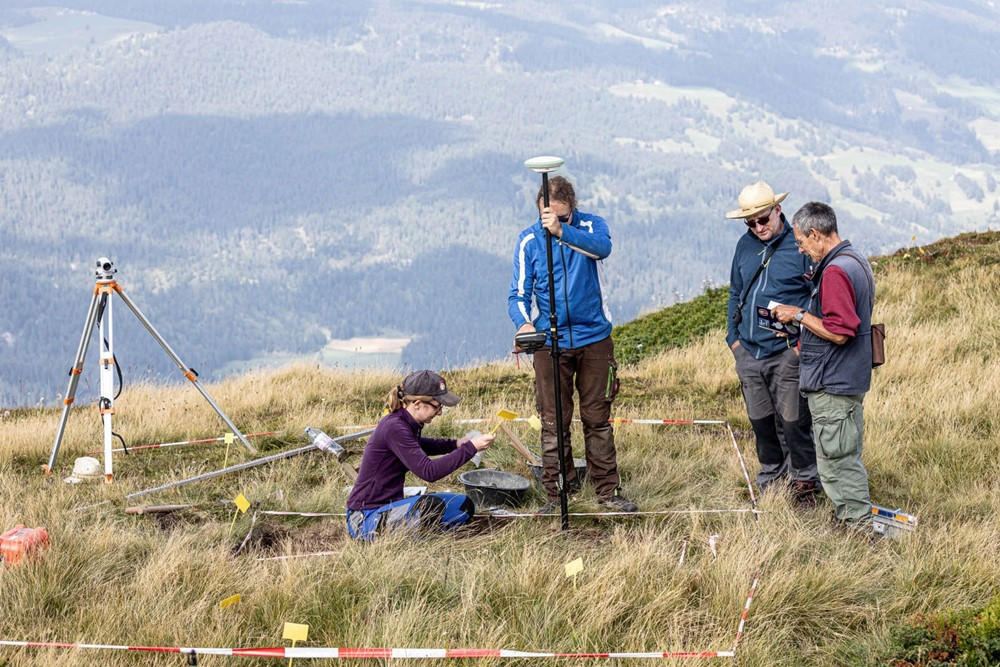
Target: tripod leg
107	361
188	373
74	379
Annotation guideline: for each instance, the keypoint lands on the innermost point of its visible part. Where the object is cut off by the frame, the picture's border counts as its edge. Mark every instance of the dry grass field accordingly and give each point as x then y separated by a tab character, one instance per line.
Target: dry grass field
824	598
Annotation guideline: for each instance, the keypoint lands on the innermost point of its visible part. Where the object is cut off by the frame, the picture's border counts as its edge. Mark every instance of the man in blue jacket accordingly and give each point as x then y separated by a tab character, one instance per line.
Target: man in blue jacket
586	351
768	270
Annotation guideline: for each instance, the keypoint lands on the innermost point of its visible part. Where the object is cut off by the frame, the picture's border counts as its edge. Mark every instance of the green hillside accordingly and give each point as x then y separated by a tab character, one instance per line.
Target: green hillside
650	583
674	326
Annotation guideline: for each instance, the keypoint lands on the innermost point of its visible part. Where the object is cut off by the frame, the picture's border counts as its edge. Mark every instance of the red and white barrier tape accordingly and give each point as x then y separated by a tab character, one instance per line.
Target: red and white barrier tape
379	653
614	420
746	611
619	420
400	653
743	465
512	515
178	444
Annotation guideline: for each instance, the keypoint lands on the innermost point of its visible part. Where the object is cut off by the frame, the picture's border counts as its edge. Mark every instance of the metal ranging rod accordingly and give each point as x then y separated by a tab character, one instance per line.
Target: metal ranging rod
543	165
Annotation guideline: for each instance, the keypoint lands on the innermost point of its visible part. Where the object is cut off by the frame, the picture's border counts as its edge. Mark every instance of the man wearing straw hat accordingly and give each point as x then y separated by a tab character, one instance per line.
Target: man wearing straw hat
767	270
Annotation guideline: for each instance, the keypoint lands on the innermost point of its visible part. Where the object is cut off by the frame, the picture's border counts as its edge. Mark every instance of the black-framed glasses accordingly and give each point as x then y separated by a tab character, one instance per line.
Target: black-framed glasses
438	407
762	220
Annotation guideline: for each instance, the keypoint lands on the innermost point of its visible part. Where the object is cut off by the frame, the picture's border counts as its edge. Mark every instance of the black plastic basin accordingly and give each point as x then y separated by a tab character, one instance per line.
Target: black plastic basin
492	488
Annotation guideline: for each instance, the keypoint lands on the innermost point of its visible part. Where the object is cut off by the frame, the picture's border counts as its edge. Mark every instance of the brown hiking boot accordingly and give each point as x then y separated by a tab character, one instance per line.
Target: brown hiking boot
804	494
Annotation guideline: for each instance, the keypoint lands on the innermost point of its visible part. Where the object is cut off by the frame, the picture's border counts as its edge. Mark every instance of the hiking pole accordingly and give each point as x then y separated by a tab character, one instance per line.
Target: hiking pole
543	165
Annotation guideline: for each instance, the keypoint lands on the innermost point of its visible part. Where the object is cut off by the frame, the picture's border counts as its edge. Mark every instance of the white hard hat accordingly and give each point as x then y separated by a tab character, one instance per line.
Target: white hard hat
85	469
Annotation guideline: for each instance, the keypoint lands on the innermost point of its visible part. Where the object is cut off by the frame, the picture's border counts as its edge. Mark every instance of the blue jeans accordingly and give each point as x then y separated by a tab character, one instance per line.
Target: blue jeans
438	512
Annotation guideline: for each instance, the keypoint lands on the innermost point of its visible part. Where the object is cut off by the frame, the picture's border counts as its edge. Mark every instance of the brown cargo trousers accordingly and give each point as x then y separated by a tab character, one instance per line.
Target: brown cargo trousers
596	373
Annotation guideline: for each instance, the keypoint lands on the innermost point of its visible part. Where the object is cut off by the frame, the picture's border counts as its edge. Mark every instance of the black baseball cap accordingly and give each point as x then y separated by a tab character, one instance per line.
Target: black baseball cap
429	383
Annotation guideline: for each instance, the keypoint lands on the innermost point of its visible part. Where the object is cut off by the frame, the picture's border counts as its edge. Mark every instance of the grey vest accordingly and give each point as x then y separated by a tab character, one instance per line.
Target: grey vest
845	370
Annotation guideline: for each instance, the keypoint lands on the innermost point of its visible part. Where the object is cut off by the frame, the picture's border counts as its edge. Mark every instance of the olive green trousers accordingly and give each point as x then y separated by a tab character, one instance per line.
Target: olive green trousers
838	429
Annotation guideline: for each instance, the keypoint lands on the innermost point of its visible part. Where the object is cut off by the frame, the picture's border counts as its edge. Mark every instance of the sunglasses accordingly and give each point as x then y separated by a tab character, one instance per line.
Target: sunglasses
565	218
762	220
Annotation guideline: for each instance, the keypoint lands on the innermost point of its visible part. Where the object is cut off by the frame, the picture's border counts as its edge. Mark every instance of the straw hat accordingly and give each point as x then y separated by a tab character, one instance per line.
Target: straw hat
754	199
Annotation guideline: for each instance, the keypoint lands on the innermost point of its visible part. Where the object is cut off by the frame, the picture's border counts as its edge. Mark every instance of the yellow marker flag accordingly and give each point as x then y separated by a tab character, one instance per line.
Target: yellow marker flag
242	505
230	601
504	415
297	632
229	439
573	568
535	423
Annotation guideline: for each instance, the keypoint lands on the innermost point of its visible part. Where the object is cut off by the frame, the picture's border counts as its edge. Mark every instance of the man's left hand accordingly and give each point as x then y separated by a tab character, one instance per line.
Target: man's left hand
785	314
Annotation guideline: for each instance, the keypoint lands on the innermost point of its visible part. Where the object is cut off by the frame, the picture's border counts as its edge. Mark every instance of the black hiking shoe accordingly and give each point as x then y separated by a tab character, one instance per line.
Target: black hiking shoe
618	503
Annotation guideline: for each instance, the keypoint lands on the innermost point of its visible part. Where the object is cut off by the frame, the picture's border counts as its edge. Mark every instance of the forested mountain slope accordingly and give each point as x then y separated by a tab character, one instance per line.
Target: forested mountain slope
269	176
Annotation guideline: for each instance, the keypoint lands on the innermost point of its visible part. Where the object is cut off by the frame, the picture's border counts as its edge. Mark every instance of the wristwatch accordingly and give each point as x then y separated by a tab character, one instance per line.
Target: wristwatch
799	316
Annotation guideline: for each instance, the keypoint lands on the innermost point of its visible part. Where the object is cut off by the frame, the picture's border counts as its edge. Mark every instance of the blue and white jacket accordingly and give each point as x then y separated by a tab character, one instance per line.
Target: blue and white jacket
581	310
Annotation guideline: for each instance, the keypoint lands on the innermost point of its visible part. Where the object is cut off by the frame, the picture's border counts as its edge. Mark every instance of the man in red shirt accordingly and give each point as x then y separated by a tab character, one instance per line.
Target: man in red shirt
835	366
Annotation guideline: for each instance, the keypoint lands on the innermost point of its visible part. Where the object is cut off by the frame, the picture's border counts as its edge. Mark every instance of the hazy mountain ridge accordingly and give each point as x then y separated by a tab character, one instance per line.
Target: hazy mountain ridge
266	173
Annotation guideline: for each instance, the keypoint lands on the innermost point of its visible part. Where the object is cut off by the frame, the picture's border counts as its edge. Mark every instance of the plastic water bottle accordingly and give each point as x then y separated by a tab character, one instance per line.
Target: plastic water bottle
324	442
476	460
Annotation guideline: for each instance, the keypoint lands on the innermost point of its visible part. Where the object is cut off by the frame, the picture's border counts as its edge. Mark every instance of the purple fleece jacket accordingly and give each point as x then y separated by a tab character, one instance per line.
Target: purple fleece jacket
394	448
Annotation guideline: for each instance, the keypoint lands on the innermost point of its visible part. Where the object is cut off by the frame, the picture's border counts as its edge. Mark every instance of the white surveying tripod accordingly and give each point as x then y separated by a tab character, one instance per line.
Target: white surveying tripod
100	314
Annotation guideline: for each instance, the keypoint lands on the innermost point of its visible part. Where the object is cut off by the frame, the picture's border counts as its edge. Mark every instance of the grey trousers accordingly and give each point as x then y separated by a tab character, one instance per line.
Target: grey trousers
839	427
779	415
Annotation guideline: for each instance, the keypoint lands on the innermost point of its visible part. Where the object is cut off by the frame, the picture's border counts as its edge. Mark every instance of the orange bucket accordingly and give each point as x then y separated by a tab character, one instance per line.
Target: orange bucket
19	542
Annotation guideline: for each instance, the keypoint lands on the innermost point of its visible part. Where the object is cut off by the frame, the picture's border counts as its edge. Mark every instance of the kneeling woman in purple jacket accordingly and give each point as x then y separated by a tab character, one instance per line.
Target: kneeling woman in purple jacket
376	503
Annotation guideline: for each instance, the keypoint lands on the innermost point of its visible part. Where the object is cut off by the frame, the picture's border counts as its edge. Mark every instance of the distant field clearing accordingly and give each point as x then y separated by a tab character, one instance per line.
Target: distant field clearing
373	353
717	101
63	30
369	345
